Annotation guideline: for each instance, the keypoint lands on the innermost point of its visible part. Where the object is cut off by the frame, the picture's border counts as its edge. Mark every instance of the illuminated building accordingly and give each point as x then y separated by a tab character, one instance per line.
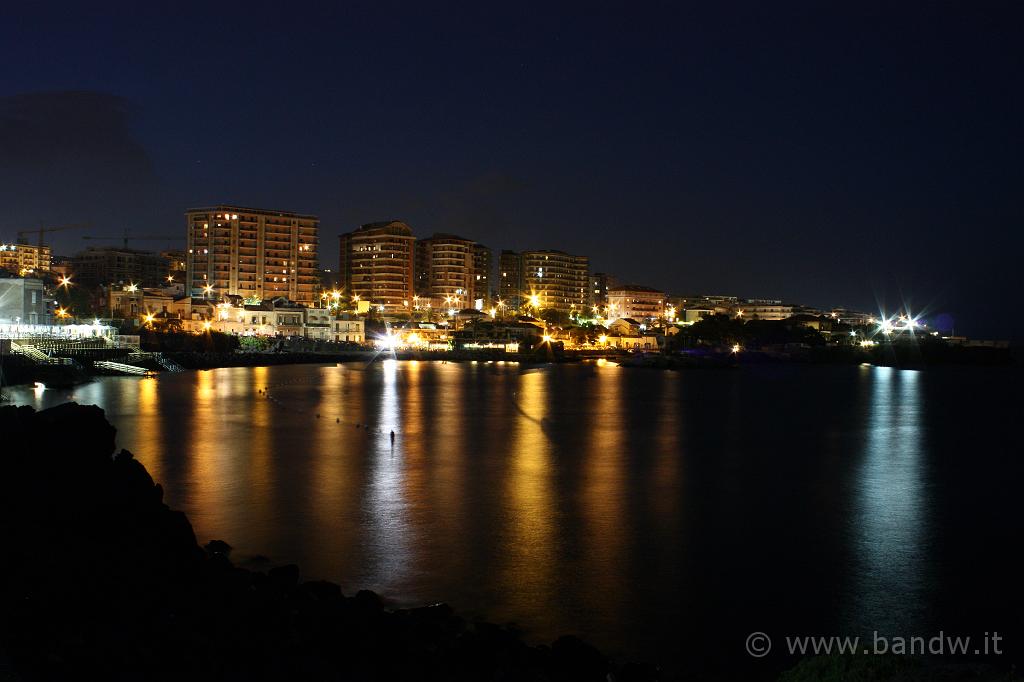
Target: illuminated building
510	278
22	301
24	259
376	264
558	280
599	283
253	253
444	268
636	302
761	309
483	265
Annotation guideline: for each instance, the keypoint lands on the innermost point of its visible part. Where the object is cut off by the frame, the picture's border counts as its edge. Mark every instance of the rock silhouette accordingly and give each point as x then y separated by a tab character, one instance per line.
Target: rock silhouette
102	580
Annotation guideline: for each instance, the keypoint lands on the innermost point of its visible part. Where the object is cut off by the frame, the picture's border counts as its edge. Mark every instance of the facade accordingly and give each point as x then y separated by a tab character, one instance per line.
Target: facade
444	268
599	283
483	266
376	263
130	303
22	301
346	329
762	309
510	278
559	281
177	265
253	253
24	259
636	302
109	265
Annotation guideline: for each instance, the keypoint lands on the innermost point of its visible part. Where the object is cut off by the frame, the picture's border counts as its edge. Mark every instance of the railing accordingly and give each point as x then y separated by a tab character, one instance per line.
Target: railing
167	363
120	367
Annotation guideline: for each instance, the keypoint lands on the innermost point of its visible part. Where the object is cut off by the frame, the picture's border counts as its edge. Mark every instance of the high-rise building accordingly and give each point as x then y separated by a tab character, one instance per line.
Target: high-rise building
25	259
252	253
599	284
444	269
554	280
376	264
510	278
111	265
483	265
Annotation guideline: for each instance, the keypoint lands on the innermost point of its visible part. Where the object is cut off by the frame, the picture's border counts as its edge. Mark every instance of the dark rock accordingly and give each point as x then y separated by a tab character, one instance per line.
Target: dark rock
217	547
109	583
577	660
319	590
284	577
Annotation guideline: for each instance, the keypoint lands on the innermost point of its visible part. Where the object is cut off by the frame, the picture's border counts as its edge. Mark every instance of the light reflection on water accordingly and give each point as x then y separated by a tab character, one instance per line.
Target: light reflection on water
591	499
890	521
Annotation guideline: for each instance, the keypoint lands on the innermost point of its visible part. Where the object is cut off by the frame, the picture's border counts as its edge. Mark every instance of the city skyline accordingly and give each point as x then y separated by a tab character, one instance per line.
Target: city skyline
861	157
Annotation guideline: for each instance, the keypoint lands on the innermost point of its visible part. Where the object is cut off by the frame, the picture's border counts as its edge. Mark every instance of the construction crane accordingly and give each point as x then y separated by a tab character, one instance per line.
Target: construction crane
127	238
43	229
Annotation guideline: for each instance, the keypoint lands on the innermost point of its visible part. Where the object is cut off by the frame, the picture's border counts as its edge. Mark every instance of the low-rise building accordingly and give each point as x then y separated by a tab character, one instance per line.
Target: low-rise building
25	259
637	302
349	329
22	301
761	309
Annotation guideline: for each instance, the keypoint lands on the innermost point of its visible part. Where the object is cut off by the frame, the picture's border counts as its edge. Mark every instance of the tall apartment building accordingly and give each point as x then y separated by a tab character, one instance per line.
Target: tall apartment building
444	268
376	263
599	284
636	302
560	280
554	279
25	259
483	265
110	265
251	252
510	278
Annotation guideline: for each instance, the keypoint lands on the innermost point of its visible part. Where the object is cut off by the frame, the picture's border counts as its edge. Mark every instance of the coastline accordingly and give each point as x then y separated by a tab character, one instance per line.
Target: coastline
109	582
17	371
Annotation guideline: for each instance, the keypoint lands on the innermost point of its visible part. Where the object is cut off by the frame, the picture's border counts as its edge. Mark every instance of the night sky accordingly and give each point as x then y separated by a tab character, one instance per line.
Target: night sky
836	157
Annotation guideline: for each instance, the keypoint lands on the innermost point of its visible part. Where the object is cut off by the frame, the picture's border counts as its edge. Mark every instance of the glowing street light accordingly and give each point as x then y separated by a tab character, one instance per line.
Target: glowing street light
170	278
65	281
149	318
132	288
736	348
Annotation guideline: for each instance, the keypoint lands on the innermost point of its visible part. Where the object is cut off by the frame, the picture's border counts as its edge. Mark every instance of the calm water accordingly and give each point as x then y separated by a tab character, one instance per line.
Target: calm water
661	515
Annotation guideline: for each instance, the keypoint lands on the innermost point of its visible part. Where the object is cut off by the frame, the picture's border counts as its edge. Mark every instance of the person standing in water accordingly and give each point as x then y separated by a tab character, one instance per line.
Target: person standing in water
392	436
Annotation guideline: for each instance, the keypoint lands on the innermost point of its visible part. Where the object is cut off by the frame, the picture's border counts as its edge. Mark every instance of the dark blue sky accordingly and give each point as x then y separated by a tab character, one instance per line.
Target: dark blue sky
820	155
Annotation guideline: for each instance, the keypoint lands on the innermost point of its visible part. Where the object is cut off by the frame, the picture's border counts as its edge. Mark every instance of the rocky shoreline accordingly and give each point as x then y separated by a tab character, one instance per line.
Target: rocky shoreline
105	581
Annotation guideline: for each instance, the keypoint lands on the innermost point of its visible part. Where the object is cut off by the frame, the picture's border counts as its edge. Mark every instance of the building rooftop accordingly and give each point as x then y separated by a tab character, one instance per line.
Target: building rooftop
232	208
634	287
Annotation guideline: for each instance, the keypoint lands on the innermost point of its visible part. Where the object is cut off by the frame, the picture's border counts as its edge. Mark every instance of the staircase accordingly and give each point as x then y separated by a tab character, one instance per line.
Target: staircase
167	363
120	367
31	352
